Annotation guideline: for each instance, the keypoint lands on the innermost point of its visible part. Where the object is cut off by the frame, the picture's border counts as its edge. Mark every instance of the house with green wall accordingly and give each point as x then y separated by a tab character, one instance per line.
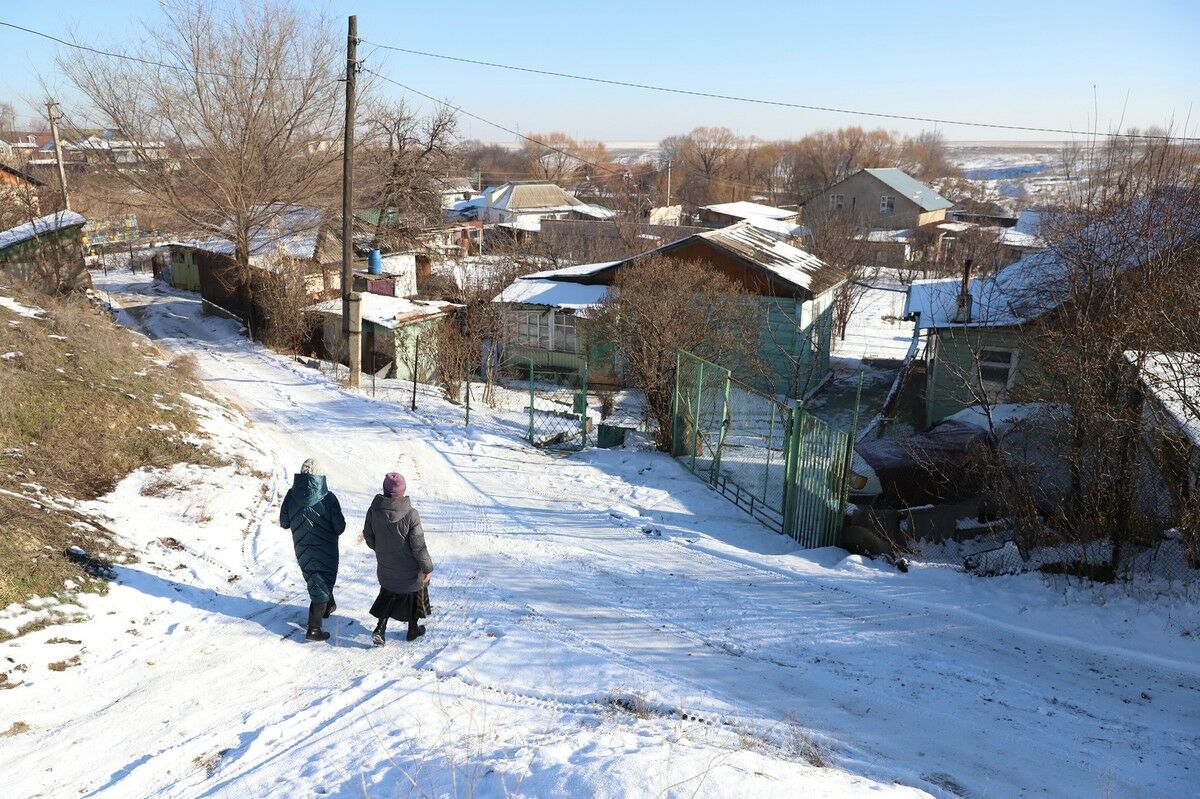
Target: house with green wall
792	289
976	336
50	245
399	335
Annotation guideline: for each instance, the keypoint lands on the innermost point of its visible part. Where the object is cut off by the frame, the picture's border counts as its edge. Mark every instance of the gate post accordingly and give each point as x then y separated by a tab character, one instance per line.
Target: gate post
696	414
849	465
676	433
531	400
791	488
583	417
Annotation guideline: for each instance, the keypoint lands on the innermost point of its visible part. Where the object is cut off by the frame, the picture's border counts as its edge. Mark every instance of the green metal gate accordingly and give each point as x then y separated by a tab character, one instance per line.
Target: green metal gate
558	410
784	466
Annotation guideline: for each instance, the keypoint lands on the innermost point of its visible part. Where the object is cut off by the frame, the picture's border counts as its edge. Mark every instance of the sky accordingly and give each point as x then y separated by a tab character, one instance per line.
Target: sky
1100	65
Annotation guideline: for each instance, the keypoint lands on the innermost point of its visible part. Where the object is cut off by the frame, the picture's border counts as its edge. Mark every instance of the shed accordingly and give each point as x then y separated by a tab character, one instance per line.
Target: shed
26	248
393	328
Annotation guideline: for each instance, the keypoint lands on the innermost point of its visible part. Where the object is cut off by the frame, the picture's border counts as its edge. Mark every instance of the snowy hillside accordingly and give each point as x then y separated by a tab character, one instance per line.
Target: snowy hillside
603	625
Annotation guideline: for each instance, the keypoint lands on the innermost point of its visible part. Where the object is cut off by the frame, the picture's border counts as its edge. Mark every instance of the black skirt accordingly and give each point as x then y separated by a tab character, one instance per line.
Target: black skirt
401	607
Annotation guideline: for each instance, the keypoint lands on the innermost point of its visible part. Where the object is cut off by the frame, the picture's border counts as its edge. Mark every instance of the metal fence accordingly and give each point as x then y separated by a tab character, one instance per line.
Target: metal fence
549	404
780	464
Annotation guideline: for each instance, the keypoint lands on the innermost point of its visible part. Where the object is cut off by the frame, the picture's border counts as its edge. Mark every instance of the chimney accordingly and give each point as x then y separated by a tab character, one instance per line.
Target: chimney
962	310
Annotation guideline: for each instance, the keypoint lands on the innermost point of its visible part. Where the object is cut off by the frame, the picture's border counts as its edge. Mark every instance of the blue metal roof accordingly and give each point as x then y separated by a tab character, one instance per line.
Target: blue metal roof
910	187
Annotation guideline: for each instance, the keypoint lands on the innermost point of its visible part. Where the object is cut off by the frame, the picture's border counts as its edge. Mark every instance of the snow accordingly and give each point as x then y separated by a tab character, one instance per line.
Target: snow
554	293
386	311
40	226
877	328
581	270
745	210
604	625
1173	379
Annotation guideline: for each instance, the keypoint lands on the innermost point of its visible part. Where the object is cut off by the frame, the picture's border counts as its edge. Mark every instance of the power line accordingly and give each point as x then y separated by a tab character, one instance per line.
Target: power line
146	61
776	103
530	139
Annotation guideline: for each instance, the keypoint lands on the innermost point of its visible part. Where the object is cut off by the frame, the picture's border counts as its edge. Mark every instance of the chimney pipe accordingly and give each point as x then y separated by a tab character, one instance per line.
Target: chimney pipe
962	310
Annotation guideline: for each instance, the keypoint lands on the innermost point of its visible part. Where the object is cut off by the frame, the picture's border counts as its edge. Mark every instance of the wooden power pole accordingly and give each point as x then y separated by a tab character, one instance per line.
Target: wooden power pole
52	112
351	333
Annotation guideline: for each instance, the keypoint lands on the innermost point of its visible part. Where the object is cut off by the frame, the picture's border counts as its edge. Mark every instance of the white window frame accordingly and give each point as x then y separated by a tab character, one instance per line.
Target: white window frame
887	204
532	329
837	202
993	388
560	339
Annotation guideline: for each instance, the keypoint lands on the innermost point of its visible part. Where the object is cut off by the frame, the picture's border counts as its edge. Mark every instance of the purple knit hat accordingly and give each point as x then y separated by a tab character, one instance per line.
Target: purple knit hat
394	485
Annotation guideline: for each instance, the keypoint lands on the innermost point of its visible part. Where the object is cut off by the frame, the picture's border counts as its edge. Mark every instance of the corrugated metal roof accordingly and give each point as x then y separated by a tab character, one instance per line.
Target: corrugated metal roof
789	265
554	293
531	197
908	186
744	210
49	223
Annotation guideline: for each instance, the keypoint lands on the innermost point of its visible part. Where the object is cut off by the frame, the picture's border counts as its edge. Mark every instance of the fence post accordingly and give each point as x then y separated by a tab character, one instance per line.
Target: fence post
583	418
468	381
531	400
696	415
791	487
845	498
770	437
716	467
675	432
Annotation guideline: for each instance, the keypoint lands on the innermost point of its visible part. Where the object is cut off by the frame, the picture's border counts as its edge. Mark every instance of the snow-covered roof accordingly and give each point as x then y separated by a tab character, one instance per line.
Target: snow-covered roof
783	262
289	231
1173	379
388	312
554	293
1040	282
744	210
1026	234
455	185
50	223
908	186
534	196
888	236
595	211
580	270
785	230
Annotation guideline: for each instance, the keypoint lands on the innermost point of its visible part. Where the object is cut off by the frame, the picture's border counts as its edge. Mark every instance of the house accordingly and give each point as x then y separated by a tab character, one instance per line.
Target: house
522	205
50	246
978	334
398	334
397	276
1170	384
454	190
724	214
27	144
793	288
879	199
14	179
287	240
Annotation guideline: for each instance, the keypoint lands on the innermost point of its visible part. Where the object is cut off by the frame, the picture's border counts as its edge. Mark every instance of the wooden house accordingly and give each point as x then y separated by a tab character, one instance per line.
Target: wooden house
793	288
50	246
399	335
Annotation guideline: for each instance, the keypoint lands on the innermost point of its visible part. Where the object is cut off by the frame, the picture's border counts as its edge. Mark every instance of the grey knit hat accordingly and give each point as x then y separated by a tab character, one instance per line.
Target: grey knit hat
311	467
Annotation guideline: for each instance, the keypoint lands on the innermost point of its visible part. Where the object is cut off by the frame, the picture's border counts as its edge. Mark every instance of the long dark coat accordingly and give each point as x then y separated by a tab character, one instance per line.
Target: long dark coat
314	516
393	530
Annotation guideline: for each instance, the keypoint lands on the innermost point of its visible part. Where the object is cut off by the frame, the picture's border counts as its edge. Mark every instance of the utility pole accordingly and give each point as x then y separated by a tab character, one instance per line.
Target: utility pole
52	112
351	333
668	181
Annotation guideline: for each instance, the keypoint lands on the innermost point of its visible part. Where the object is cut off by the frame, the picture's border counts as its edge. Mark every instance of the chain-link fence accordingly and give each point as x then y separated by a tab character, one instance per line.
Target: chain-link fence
784	466
548	404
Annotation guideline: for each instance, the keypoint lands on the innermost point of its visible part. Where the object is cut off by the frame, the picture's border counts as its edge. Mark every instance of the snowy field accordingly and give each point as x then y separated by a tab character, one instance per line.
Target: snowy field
604	625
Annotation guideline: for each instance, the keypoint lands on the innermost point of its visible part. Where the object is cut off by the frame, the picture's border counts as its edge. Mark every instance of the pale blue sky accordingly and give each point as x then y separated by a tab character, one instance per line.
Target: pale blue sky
1044	63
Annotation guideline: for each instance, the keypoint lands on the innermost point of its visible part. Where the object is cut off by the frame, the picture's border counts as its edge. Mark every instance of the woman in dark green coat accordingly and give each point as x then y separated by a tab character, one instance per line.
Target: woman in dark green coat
314	516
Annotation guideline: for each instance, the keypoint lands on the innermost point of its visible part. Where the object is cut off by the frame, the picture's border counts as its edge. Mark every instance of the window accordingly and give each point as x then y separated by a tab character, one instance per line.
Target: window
887	205
563	337
997	368
533	329
837	202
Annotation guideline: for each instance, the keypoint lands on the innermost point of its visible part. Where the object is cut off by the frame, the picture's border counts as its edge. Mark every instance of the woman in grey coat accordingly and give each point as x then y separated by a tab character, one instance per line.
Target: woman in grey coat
393	530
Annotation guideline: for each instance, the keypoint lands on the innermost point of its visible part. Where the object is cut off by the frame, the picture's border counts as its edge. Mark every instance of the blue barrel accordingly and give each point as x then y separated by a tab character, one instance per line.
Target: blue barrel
375	262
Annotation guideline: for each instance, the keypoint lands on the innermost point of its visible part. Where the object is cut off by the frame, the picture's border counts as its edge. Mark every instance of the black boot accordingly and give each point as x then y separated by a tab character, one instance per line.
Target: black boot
377	637
415	630
316	612
330	608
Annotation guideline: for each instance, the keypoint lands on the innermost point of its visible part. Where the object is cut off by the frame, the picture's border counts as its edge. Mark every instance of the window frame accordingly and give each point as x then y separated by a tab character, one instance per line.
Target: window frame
837	202
986	385
887	204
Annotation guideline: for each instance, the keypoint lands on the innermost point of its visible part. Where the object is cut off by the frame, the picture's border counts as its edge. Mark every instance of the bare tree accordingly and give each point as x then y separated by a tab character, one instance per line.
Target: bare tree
659	306
838	241
402	157
248	121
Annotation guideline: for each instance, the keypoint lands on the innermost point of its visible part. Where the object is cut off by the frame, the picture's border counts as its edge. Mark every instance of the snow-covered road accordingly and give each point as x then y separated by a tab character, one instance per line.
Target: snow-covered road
604	625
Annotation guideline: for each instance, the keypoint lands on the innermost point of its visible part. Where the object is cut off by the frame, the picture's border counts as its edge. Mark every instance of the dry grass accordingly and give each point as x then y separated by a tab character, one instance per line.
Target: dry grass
17	728
86	403
63	665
